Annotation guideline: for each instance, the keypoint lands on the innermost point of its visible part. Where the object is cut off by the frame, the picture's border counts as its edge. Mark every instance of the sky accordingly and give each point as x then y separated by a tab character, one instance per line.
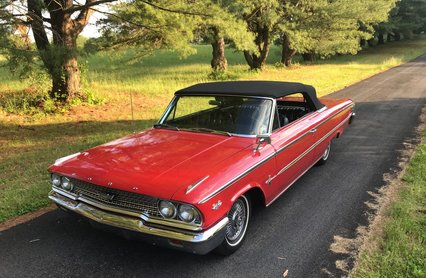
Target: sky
91	30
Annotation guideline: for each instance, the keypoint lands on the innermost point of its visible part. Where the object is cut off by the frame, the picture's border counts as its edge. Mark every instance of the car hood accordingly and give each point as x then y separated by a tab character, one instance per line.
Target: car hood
156	162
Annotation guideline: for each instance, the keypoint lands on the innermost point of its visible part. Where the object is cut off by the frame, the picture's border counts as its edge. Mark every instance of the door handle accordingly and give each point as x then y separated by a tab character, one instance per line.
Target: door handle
312	130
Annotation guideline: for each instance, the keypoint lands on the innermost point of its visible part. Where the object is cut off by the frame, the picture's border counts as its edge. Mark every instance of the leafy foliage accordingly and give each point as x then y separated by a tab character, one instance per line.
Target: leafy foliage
150	26
408	16
329	27
313	27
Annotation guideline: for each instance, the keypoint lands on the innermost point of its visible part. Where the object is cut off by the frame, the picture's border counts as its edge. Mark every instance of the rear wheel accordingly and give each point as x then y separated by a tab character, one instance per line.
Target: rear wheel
325	155
236	228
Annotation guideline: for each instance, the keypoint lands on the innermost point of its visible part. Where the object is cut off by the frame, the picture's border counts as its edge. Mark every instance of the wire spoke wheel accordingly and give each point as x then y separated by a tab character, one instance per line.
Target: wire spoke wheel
238	220
326	152
325	155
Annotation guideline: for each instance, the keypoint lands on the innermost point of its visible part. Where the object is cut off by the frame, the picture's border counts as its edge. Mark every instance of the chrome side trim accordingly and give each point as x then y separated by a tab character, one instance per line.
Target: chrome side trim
167	111
208	197
135	224
285	189
235	179
65	158
284	169
322	109
272	116
194	185
316	127
310	148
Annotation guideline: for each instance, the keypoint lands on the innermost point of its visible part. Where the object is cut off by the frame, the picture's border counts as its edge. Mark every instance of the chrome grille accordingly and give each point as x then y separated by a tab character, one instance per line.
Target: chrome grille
117	198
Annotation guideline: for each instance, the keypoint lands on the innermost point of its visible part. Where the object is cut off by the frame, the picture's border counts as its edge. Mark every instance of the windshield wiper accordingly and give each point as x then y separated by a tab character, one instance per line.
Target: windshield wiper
166	126
203	129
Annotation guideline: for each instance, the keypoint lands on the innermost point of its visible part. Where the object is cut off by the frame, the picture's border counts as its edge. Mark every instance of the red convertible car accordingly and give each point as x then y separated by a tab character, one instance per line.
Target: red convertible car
189	181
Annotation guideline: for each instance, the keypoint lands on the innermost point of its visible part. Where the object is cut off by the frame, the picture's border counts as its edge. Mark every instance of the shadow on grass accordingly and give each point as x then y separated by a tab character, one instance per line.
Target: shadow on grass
26	151
60	133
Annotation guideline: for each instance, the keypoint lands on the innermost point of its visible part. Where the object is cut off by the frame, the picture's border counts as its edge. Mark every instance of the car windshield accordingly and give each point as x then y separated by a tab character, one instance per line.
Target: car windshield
219	114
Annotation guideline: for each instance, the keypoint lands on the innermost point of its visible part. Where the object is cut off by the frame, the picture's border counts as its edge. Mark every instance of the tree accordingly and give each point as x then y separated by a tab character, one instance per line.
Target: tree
149	25
324	28
64	20
138	24
224	23
407	17
263	19
218	62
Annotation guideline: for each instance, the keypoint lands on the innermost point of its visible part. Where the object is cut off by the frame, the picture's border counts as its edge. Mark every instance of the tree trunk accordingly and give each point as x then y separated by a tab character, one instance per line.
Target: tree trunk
218	61
389	37
308	57
287	52
370	42
381	39
66	80
257	62
362	42
64	70
60	56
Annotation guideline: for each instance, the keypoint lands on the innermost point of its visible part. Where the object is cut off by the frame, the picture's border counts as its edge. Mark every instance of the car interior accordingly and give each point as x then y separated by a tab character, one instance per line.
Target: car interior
289	109
244	115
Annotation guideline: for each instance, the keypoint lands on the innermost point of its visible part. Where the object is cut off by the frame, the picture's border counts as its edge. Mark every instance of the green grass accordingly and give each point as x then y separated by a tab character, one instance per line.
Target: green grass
27	150
29	144
401	251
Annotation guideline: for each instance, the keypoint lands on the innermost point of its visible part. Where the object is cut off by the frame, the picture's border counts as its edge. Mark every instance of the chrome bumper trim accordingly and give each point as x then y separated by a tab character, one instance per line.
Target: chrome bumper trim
104	207
136	224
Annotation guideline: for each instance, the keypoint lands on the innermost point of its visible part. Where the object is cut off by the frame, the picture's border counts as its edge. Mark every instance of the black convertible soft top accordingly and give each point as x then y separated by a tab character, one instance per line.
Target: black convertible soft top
273	89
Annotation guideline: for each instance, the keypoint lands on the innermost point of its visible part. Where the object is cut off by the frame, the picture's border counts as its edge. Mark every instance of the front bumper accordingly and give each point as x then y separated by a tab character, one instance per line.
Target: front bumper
195	242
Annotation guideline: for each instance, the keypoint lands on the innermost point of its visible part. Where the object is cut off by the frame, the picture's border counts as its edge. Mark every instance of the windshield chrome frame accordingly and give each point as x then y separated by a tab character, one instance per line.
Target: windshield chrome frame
271	116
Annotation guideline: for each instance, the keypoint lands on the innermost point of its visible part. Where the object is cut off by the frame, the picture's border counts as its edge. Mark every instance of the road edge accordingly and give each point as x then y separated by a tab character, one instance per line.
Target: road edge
377	207
25	217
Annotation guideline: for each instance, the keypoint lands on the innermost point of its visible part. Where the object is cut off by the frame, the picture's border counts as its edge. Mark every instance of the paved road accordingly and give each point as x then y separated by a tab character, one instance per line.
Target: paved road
294	233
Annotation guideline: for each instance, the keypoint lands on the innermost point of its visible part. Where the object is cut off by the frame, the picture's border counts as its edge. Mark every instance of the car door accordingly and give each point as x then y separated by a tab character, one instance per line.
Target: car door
293	143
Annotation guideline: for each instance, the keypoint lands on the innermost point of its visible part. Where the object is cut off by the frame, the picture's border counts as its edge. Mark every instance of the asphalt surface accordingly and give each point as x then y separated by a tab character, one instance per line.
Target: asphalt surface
293	234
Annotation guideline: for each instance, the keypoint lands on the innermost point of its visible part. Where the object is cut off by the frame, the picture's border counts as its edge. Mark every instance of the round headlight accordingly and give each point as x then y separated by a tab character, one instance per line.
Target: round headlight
66	184
56	180
187	213
167	209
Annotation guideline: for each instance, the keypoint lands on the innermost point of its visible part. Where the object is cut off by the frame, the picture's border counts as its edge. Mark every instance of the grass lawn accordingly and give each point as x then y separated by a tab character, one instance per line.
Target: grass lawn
401	251
29	144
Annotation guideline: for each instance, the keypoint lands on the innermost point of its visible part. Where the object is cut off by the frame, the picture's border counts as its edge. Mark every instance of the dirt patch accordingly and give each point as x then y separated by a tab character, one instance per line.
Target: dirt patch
25	218
367	236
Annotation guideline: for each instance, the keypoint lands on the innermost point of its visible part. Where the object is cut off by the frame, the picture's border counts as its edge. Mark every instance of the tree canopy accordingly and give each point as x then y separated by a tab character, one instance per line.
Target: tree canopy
312	27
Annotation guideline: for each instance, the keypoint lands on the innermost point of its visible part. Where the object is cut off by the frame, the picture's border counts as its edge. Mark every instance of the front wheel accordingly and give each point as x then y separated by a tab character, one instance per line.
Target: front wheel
236	228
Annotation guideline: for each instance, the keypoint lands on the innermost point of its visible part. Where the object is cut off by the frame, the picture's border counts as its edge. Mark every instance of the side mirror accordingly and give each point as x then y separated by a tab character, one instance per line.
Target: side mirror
215	102
261	140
